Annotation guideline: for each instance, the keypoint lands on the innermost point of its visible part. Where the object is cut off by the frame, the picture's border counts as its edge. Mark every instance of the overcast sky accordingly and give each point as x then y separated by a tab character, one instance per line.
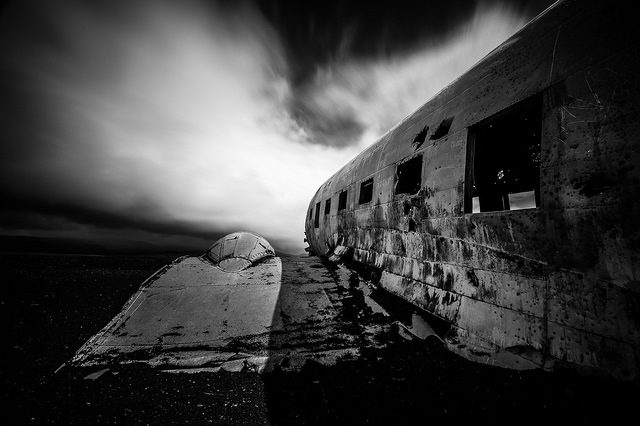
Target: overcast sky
171	123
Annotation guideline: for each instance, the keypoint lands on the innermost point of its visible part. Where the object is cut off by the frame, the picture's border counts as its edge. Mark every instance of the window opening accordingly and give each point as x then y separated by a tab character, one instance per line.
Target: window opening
442	129
409	176
503	160
420	137
327	206
317	219
366	191
342	200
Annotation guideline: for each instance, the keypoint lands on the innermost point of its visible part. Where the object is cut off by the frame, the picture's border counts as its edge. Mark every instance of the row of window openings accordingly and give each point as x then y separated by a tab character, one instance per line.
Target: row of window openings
503	164
342	204
409	178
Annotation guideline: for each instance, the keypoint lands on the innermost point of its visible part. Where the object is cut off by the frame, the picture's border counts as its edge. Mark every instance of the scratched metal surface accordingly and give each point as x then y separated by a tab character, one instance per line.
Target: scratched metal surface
559	284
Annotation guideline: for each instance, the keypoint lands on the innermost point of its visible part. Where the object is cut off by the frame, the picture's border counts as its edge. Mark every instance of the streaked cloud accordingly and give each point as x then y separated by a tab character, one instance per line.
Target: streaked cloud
356	98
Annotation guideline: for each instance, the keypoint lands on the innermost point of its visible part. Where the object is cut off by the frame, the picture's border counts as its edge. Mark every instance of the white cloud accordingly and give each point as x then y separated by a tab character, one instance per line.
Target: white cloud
186	111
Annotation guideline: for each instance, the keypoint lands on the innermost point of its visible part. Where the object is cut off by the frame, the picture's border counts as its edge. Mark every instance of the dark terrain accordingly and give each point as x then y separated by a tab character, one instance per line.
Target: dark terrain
53	303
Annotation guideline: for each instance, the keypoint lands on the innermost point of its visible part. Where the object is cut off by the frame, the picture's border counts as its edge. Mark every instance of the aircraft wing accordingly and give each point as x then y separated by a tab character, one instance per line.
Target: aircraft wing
234	312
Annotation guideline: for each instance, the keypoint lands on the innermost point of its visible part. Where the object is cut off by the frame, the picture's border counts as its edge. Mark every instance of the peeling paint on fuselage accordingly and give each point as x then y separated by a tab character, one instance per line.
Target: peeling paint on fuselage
556	284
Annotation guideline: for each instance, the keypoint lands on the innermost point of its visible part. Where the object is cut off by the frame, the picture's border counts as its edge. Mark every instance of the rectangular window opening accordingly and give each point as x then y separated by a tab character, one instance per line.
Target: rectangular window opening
316	221
342	201
503	160
327	206
366	191
442	129
409	176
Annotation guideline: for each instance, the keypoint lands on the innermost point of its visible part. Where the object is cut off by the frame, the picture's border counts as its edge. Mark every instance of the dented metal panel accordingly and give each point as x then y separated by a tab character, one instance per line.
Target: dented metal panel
556	284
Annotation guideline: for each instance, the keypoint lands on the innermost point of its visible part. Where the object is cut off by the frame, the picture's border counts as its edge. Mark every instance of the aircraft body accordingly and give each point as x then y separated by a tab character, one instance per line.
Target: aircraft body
508	204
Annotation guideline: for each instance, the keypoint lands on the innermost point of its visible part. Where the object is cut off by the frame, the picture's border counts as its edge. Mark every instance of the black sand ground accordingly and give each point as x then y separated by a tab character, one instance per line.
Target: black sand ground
52	303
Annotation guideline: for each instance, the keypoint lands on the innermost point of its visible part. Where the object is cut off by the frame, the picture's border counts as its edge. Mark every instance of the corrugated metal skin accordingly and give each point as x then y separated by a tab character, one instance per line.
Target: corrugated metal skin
560	282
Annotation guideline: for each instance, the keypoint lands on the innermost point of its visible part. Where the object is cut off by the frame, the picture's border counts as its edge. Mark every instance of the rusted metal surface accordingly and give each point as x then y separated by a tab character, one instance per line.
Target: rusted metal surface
557	284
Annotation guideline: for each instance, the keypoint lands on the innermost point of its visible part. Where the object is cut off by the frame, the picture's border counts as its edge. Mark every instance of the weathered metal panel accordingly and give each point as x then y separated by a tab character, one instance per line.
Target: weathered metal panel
443	167
494	324
368	163
385	178
437	301
592	306
186	305
587	37
575	347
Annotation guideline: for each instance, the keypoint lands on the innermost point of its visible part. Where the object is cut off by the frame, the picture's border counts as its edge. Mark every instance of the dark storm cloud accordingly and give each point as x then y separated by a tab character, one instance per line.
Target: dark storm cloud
143	215
320	32
182	121
323	35
326	127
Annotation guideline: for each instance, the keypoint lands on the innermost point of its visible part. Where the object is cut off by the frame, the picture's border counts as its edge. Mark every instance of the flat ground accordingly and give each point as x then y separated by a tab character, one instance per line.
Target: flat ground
53	303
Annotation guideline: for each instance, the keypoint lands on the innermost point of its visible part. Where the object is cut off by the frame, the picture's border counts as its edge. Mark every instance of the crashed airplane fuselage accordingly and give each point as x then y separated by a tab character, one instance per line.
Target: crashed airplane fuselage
508	204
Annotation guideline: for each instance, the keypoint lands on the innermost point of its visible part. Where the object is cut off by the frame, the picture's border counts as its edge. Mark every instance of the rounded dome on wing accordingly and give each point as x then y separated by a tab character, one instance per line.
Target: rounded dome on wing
239	250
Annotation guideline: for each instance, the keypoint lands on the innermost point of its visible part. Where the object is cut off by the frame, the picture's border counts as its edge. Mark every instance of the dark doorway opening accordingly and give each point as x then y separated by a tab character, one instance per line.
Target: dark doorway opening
503	160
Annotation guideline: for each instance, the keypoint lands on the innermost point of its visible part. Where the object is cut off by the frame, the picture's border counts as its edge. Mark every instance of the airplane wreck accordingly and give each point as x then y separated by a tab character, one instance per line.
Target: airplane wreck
505	209
508	204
